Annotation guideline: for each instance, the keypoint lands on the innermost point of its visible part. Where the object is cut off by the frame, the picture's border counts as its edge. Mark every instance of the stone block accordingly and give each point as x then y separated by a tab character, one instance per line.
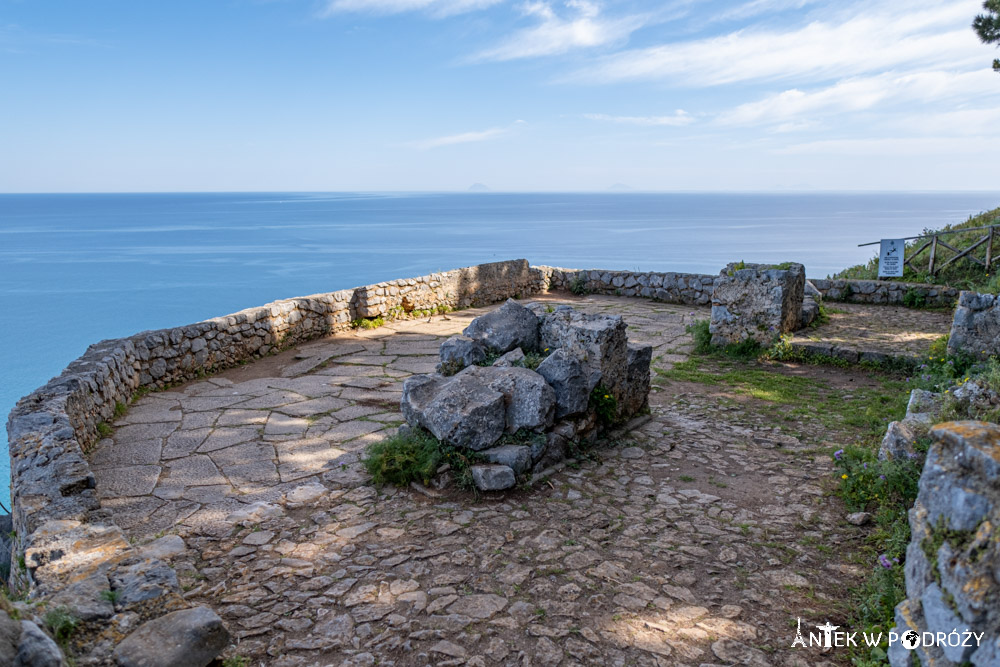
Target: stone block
191	637
459	352
493	477
599	342
636	394
529	401
565	374
461	411
756	302
509	326
975	329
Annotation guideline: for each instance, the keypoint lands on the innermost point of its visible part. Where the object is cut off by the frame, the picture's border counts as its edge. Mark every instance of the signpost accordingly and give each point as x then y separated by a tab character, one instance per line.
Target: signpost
890	258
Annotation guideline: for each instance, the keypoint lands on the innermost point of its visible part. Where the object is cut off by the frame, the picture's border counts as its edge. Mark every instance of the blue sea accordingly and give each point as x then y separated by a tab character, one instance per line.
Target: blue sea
75	269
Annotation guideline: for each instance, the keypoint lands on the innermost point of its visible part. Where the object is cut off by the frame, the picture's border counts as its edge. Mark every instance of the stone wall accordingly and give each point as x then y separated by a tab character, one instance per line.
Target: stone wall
953	560
883	292
72	549
976	328
681	288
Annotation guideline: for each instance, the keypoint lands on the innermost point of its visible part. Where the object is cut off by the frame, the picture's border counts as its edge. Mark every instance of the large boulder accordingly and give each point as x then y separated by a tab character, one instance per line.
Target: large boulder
530	402
461	410
458	352
598	341
189	638
509	326
516	457
566	375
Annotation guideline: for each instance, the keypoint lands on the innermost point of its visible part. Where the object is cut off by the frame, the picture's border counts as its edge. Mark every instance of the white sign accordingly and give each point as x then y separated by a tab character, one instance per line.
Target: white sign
890	258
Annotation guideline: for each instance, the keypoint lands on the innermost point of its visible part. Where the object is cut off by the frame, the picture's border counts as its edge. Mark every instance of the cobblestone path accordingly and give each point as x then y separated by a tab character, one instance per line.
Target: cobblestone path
697	539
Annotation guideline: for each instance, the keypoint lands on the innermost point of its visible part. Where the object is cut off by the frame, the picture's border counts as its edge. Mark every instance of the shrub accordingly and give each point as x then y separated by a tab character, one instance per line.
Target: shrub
915	298
579	285
368	322
701	335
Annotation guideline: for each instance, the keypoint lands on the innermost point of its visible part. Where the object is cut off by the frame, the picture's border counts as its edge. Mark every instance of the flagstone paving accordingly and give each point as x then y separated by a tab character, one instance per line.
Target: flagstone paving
696	539
859	332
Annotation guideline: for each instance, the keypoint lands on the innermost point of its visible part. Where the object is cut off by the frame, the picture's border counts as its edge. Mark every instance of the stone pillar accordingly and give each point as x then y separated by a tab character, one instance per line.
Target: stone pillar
976	328
756	302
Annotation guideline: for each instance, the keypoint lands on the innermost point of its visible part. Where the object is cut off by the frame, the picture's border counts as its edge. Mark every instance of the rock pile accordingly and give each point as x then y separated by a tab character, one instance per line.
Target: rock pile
521	419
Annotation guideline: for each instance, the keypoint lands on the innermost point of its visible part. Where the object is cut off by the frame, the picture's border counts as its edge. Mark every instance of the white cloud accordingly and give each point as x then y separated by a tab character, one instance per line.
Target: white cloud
555	34
463	137
757	7
679	118
873	38
896	147
434	7
861	93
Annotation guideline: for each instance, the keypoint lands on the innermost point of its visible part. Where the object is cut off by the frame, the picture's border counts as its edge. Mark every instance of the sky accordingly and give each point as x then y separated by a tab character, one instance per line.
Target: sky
569	95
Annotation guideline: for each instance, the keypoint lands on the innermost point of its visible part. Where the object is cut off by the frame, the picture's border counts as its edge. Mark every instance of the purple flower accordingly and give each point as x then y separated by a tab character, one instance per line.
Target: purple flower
884	561
837	454
866	465
882	477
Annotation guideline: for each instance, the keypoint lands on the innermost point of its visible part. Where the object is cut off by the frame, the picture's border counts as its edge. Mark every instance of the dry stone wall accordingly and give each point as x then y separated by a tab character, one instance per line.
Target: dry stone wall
884	292
681	288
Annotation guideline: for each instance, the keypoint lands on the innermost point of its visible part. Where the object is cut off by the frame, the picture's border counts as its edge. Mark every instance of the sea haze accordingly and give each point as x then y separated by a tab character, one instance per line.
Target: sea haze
75	269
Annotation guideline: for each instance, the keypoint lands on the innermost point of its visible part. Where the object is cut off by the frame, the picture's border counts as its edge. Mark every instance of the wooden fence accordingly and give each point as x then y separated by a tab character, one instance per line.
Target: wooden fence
933	242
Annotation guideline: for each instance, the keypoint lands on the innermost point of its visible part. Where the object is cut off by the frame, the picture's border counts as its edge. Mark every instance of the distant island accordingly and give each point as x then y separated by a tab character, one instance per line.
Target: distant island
479	187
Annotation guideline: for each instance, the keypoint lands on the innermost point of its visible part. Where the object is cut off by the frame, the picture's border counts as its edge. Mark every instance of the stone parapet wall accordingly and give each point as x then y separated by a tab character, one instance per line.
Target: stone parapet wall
680	288
62	531
883	292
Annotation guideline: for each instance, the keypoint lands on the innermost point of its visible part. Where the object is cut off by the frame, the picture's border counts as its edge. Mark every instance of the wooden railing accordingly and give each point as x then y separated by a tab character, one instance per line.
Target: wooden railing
933	241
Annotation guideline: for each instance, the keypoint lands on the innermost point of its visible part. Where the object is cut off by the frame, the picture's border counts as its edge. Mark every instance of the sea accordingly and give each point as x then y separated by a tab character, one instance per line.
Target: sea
78	268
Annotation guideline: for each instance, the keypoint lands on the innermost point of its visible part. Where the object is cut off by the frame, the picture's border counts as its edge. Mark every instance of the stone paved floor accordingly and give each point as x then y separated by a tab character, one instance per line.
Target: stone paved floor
887	330
697	540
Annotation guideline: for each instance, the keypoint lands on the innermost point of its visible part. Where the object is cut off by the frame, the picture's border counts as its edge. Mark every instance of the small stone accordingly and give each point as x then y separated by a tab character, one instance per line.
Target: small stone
493	477
478	606
305	494
192	637
258	538
449	649
859	518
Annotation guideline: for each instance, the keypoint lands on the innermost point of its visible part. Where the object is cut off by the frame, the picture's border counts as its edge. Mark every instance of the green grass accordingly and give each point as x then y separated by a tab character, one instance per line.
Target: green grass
807	399
415	455
104	429
62	624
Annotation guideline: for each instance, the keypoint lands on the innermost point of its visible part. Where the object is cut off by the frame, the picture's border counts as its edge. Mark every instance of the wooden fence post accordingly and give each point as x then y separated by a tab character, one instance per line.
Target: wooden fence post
930	266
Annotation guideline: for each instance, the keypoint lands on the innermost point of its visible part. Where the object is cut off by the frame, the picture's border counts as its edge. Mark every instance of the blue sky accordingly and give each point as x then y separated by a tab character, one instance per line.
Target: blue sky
438	94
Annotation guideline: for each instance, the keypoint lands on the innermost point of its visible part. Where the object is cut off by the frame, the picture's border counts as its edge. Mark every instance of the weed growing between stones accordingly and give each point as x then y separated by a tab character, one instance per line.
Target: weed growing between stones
104	429
699	331
701	335
368	323
61	624
604	404
414	455
236	661
579	286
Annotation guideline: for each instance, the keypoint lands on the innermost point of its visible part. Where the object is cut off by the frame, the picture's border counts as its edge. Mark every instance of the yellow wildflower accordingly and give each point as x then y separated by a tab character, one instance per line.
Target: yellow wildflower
844	476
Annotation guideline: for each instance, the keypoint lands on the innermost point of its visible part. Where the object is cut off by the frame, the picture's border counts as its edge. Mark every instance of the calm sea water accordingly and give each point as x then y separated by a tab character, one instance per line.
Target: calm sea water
75	269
